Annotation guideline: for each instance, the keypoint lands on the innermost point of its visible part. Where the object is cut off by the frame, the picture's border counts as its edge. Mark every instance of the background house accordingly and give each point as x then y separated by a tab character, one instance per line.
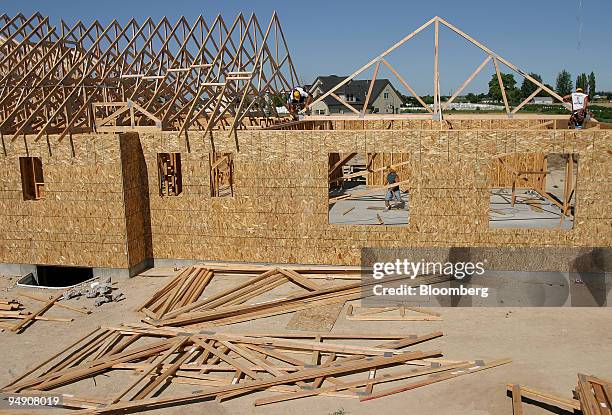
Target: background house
385	99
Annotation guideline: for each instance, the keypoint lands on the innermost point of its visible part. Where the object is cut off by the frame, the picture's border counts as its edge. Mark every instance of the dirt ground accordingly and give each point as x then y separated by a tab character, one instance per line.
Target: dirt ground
549	346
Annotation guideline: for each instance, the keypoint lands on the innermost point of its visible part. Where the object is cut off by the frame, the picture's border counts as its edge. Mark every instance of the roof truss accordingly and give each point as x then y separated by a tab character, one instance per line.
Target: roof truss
438	106
152	75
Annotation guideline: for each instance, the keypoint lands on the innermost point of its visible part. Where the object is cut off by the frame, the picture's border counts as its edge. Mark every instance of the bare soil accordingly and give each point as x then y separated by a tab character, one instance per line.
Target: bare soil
549	346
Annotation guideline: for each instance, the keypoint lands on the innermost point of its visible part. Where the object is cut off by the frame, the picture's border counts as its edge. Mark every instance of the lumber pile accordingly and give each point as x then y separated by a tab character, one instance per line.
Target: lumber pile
592	396
9	305
183	301
595	395
170	366
15	310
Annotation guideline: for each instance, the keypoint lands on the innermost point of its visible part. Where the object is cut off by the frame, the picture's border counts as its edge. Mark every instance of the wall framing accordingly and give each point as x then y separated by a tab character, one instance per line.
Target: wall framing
279	209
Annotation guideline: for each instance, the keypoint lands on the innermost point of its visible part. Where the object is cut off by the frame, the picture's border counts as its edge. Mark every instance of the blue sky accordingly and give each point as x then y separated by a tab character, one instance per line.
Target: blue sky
337	37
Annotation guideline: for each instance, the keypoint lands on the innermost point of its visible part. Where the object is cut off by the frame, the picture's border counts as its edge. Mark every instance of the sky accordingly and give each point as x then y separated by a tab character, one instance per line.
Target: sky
338	36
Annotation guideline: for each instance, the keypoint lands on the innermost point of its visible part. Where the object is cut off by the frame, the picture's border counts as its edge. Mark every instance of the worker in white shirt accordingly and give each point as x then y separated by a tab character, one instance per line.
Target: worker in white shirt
580	103
298	99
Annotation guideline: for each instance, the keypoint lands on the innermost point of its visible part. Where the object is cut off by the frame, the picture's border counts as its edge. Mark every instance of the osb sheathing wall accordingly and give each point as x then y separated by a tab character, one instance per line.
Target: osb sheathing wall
81	221
280	210
136	199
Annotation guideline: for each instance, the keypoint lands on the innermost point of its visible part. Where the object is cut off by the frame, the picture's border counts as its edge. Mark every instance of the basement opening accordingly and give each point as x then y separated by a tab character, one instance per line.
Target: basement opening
56	277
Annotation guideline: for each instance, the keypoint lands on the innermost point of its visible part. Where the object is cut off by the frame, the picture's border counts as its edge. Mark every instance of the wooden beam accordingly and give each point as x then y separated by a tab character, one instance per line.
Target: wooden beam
467	81
407	86
517	408
370	88
526	100
346	104
547	398
37	313
373	61
436	69
501	59
501	85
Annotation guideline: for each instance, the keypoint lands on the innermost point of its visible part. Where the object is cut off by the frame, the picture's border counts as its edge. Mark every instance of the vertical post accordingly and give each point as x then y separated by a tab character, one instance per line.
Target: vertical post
501	86
436	72
367	98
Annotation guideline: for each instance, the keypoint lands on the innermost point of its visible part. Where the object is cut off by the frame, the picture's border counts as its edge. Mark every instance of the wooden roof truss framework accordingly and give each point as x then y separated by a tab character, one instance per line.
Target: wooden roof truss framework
438	106
140	76
177	367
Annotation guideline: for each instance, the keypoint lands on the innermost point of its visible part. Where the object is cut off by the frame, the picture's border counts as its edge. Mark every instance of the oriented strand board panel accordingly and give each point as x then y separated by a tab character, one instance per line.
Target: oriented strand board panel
81	220
103	207
279	210
136	198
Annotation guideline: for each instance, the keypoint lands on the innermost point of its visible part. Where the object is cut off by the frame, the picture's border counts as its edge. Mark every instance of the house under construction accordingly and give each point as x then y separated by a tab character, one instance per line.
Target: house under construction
160	141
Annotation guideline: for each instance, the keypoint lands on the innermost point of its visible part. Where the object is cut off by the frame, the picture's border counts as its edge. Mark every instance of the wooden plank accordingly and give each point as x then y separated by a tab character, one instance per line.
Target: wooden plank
467	81
501	85
359	383
547	398
37	313
346	104
50	359
517	408
441	377
436	77
307	374
588	403
58	304
298	279
407	86
370	88
146	372
526	100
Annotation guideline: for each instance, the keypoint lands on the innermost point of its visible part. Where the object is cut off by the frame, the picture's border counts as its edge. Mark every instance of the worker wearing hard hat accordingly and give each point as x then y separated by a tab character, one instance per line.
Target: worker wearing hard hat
580	103
298	99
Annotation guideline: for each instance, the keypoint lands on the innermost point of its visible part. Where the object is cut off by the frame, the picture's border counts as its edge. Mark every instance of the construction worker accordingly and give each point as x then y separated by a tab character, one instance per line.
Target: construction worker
298	99
392	192
580	103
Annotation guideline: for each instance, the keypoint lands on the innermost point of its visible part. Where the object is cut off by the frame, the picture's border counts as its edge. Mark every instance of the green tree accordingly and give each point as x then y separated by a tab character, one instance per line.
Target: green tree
564	83
509	86
591	85
471	98
582	82
278	100
528	87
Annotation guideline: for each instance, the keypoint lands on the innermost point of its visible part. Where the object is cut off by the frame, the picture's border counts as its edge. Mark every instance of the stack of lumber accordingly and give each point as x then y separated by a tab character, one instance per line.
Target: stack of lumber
14	310
173	367
593	396
9	305
179	302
